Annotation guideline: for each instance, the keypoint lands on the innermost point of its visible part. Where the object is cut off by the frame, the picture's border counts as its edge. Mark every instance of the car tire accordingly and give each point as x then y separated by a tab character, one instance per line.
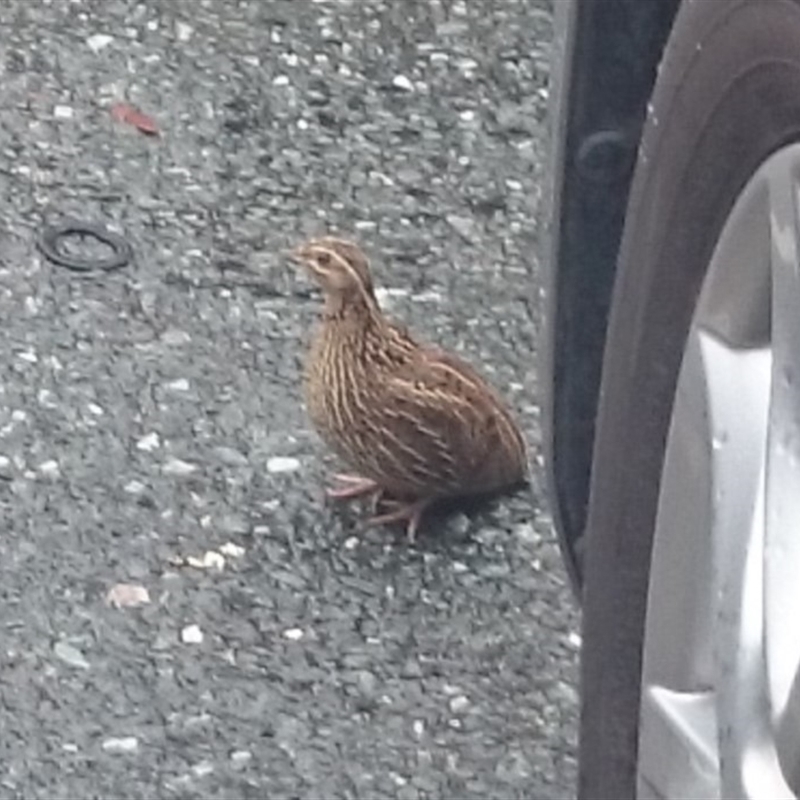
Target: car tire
725	98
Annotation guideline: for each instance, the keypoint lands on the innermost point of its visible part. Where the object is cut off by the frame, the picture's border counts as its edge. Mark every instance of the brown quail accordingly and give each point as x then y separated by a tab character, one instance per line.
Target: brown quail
416	424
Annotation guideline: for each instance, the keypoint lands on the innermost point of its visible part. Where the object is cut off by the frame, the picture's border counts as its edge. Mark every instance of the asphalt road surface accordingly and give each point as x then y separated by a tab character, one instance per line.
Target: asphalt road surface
152	432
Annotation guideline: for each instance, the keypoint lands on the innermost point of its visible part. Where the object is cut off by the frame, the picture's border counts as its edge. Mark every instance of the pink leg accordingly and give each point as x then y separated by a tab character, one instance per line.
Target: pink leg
412	512
356	486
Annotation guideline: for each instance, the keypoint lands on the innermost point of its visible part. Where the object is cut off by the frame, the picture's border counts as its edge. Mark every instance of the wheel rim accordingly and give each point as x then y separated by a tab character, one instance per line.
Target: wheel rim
720	710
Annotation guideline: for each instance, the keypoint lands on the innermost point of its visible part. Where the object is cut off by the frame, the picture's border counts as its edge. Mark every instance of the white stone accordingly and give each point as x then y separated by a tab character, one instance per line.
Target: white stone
283	464
149	442
293	634
124	744
45	398
192	634
127	595
49	468
71	655
183	31
177	467
429	296
459	703
99	41
232	550
175	337
211	560
398	779
241	756
384	293
401	82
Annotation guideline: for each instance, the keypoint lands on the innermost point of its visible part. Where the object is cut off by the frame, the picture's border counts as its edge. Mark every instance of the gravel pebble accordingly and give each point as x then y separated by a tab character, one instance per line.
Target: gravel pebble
202	769
458	704
192	634
126	595
282	464
232	550
70	655
178	467
402	82
230	456
149	442
241	756
211	559
99	41
49	469
125	744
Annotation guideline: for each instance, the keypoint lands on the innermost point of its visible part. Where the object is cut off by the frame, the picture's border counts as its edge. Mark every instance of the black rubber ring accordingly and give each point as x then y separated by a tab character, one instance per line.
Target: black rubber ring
51	236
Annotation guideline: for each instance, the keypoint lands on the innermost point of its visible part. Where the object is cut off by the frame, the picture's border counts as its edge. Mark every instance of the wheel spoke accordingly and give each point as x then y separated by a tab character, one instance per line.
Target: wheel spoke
738	398
682	729
782	514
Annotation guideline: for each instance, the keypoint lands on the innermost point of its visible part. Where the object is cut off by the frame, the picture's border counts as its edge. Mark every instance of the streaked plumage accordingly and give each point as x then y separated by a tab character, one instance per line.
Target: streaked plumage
418	424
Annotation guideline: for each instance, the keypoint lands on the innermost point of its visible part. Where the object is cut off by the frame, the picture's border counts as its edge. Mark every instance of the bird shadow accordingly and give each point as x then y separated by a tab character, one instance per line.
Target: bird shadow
447	524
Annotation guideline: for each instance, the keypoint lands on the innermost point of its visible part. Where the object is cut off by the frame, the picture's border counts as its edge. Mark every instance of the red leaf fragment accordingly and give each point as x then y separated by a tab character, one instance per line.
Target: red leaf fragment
124	112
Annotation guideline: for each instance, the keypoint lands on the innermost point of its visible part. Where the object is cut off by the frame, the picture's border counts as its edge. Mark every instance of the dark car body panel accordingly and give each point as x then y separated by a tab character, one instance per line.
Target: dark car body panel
604	64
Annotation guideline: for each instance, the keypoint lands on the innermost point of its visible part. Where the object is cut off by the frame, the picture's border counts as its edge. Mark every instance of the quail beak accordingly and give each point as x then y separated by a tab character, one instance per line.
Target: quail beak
300	254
